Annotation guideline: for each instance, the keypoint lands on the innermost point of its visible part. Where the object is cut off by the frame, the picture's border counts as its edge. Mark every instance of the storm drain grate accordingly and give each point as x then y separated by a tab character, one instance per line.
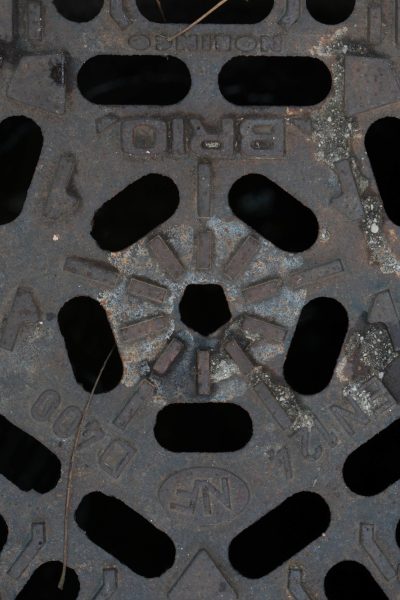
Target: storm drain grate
200	256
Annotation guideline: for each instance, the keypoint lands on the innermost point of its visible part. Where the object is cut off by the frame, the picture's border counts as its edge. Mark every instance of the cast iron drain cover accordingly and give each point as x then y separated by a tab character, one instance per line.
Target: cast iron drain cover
218	214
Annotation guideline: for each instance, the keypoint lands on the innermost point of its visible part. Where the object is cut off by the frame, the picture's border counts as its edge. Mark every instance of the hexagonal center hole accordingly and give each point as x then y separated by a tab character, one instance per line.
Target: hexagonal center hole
204	308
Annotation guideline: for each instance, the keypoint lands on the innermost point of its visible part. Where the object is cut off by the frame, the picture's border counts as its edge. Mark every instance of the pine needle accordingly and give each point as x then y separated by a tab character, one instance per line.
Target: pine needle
199	20
160	8
71	470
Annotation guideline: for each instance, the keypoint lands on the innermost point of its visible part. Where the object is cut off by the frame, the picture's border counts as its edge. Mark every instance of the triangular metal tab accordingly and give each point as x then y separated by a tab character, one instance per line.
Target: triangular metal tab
373	74
202	580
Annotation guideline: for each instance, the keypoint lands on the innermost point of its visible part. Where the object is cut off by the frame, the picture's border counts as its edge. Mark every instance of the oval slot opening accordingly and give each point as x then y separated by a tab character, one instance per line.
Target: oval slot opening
275	81
134	80
89	340
125	534
279	535
203	427
316	346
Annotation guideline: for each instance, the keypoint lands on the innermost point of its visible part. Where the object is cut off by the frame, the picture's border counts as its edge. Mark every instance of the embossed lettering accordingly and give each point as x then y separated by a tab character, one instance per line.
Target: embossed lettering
154	137
205	496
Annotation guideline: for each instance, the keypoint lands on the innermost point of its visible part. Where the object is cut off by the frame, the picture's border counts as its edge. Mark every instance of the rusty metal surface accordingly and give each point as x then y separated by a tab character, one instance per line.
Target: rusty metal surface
47	256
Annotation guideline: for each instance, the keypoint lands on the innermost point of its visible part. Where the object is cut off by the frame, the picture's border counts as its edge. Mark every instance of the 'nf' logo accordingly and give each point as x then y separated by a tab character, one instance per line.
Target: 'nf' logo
204	497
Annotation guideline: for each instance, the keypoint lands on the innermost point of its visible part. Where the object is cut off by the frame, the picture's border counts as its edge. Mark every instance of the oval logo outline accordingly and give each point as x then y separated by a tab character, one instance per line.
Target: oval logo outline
204	496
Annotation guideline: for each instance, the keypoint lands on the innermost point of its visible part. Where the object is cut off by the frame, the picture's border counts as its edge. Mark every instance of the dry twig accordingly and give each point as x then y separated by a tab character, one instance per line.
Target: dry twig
160	8
71	469
199	20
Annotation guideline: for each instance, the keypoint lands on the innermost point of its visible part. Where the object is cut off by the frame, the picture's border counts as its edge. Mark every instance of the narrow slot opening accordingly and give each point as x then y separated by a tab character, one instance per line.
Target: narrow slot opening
349	580
203	427
134	80
184	11
381	143
273	213
89	340
331	12
279	535
21	143
3	533
25	461
79	11
275	81
135	212
125	534
43	584
316	346
371	468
